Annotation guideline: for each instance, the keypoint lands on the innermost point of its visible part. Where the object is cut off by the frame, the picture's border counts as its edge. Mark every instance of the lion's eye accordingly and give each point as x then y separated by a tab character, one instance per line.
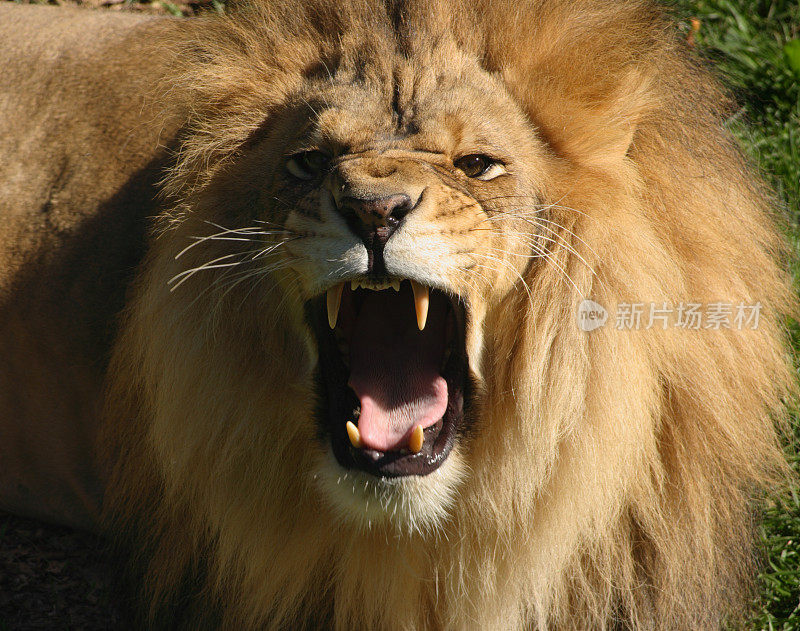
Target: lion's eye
479	166
307	165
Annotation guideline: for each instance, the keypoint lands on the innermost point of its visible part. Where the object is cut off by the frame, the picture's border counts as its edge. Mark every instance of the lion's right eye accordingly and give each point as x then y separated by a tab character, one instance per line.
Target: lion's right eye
307	165
479	166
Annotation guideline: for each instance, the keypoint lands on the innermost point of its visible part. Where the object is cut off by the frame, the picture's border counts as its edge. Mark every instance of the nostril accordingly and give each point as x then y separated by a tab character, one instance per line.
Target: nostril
374	220
402	208
376	212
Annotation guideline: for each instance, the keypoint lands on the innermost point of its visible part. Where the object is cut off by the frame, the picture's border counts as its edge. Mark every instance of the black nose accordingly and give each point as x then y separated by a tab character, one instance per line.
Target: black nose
374	220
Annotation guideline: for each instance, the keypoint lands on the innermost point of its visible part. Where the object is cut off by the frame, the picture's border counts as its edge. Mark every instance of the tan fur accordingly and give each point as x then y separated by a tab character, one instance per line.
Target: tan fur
80	155
609	479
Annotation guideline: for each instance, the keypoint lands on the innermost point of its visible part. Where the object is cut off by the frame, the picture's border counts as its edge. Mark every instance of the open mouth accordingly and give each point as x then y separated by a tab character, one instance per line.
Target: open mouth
392	373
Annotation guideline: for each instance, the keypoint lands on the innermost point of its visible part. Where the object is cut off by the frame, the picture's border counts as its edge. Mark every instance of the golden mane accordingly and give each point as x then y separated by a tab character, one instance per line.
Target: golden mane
610	476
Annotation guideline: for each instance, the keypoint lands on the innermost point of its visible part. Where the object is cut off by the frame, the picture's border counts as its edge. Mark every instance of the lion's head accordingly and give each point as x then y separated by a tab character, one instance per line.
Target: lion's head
362	396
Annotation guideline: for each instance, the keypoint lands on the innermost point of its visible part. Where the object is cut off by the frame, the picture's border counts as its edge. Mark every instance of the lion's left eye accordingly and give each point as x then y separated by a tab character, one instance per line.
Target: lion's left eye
480	167
308	164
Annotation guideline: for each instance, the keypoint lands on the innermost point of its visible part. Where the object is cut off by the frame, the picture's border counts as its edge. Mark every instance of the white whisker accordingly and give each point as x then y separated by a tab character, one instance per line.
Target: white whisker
244	232
213	264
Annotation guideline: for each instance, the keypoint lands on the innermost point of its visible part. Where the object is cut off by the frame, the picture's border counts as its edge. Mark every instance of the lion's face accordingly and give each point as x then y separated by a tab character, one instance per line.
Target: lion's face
405	204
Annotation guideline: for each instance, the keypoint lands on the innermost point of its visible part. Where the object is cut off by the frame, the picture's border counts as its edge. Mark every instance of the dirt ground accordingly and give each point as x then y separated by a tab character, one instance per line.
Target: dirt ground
169	7
54	578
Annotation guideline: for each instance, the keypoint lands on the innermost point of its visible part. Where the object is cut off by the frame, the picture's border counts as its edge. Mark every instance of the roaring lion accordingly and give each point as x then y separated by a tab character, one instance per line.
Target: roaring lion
401	314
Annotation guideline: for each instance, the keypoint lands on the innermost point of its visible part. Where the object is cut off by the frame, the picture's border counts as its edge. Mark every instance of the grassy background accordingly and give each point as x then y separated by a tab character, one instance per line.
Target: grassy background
756	46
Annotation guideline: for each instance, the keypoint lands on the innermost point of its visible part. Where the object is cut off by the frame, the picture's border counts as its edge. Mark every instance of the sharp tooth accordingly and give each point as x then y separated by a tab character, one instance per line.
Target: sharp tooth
353	285
334	299
416	440
421	301
396	285
353	434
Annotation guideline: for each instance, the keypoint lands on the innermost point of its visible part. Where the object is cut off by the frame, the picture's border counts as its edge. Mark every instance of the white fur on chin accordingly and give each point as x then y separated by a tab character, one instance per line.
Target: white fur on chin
413	504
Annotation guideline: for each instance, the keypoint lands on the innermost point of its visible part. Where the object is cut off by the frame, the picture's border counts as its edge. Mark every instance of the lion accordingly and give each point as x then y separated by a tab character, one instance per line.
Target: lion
391	315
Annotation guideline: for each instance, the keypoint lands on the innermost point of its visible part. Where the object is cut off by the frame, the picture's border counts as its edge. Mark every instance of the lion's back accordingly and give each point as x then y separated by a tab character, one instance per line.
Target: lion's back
80	152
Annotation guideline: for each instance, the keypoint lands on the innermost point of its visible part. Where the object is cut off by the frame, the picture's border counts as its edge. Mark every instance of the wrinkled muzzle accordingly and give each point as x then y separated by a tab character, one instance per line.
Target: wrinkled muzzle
392	366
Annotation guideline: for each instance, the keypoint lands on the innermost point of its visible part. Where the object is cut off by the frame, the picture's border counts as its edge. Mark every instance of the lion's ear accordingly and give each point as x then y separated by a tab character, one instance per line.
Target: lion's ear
585	88
589	122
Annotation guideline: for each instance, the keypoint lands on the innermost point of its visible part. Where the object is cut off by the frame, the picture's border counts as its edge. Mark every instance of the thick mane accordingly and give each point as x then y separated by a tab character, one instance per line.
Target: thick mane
611	473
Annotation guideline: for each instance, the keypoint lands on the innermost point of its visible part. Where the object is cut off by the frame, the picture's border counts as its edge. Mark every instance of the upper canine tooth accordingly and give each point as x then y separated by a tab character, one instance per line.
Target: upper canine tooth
396	285
334	299
421	301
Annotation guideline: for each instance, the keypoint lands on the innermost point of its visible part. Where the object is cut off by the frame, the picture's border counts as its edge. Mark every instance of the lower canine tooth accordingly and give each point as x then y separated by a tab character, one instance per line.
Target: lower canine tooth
353	434
334	299
416	440
421	300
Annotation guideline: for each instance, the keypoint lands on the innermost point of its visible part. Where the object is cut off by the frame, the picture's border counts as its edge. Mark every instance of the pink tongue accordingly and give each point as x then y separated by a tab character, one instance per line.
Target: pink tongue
394	368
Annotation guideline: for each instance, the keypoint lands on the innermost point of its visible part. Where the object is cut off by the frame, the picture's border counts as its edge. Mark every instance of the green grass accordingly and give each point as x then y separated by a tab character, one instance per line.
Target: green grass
756	46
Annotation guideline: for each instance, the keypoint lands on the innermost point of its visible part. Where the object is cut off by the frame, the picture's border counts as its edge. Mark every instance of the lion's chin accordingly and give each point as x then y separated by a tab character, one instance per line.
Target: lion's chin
411	505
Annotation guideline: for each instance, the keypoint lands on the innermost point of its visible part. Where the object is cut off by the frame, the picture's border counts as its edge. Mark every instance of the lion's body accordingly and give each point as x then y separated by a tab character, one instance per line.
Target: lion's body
80	160
607	478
